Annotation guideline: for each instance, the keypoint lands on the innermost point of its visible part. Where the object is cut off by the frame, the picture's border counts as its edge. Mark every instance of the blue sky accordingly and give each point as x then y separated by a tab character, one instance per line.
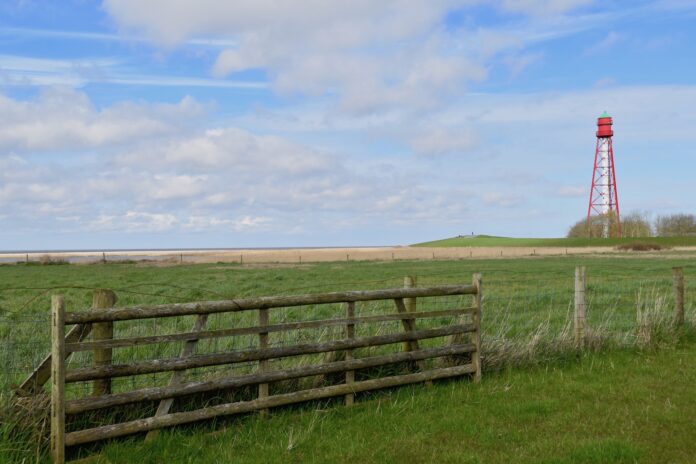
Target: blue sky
169	123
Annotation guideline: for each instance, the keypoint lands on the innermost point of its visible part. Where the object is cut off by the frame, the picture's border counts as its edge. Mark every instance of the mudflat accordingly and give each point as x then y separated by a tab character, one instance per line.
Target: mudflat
307	255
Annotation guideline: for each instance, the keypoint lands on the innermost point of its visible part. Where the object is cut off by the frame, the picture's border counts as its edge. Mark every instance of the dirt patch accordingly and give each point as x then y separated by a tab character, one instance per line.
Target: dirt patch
262	266
641	246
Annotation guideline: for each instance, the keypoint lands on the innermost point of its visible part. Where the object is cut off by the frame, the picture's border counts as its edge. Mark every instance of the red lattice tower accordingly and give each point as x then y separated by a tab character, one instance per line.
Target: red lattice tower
604	198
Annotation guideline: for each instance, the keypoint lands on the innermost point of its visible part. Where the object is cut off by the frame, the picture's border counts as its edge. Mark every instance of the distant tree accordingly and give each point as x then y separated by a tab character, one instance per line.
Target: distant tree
595	228
636	224
578	230
675	225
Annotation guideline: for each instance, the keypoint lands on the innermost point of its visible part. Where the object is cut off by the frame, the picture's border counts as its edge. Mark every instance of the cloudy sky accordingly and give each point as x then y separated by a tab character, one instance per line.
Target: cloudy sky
212	123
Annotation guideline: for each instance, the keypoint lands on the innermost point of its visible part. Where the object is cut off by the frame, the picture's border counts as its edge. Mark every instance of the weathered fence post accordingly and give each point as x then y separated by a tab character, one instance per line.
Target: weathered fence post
477	281
263	364
102	299
57	379
350	334
411	305
678	285
579	317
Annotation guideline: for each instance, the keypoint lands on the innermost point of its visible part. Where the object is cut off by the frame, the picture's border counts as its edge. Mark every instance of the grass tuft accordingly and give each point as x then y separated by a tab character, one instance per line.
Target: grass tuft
642	246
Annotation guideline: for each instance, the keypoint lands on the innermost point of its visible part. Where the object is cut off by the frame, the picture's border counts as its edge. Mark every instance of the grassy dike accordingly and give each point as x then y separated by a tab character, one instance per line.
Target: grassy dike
492	241
618	407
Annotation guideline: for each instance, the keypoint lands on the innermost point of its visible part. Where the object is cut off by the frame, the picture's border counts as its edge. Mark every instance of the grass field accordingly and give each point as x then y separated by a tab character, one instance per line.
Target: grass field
527	305
491	241
604	408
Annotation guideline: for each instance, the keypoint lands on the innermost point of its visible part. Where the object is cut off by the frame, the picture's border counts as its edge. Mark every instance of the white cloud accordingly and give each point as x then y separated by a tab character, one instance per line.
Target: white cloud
45	72
169	179
518	63
220	177
441	140
25	70
173	21
173	187
371	54
543	7
653	112
239	224
101	36
62	119
611	39
135	221
502	200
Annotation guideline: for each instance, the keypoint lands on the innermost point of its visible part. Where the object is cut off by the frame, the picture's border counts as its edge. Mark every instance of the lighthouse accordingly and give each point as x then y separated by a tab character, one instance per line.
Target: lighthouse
604	197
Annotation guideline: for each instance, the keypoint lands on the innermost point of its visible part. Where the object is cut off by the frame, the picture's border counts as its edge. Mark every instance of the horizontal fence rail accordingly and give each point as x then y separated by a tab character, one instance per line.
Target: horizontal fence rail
212	307
190	362
264	361
72	347
127	428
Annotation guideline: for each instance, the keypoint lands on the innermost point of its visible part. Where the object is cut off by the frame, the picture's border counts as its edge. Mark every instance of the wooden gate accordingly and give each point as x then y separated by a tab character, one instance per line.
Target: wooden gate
449	346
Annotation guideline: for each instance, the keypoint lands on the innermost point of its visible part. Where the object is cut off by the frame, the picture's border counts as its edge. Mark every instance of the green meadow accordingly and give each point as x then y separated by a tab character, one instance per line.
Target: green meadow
610	407
540	401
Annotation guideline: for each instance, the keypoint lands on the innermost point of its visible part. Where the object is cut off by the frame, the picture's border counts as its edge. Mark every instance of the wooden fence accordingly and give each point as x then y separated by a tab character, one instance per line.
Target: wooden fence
452	349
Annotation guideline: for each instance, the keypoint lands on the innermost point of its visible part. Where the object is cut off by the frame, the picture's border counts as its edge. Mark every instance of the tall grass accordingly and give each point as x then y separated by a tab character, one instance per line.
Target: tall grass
527	318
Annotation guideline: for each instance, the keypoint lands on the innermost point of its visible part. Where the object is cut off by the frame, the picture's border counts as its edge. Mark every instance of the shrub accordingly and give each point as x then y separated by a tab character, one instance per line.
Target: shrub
595	228
633	225
640	246
676	225
47	260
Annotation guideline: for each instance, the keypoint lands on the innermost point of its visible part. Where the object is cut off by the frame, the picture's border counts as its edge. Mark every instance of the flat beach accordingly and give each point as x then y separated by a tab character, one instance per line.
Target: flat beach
307	255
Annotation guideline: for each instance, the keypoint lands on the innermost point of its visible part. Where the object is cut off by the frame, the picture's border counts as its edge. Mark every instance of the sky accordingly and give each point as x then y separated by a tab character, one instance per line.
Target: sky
276	123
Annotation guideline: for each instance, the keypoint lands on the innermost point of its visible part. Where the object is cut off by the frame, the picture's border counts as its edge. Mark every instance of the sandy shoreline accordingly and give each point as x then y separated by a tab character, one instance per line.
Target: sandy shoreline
306	255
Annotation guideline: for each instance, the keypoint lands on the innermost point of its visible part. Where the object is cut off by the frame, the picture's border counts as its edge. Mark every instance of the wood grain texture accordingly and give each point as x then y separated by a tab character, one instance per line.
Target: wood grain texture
74	346
350	334
477	281
157	393
211	307
175	364
102	299
178	376
143	425
57	379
